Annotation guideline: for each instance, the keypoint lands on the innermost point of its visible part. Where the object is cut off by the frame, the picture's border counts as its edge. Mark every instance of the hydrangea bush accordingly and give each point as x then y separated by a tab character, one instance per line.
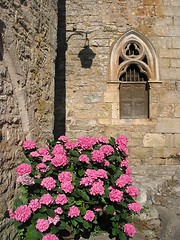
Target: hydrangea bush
74	188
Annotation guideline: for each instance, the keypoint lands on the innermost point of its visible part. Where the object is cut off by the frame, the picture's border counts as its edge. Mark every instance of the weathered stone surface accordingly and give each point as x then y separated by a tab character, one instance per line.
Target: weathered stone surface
27	54
153	140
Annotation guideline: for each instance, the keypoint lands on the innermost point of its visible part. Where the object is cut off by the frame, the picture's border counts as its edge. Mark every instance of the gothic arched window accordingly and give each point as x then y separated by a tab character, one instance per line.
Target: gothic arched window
133	65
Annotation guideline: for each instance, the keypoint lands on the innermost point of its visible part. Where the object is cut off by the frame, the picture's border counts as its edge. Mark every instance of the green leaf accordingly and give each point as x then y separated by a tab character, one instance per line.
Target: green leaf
39	215
26	160
112	167
50	212
82	194
74	153
81	172
115	224
17	224
112	141
112	157
74	223
17	203
54	229
33	234
122	235
118	173
115	231
37	180
86	225
63	225
79	219
110	209
43	209
83	210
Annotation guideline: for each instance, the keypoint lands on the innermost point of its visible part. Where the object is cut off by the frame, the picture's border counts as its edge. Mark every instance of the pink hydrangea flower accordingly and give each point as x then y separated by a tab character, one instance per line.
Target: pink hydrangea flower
135	207
49	183
42	167
97	188
42	225
54	220
86	181
89	216
97	208
24	168
86	142
129	171
106	163
70	145
58	210
58	149
116	195
50	236
122	140
65	176
102	140
91	173
46	199
123	180
35	154
34	204
11	214
61	199
22	213
73	212
59	160
43	151
46	158
97	156
132	191
63	138
107	149
123	149
129	229
84	158
101	173
25	180
67	187
124	163
29	144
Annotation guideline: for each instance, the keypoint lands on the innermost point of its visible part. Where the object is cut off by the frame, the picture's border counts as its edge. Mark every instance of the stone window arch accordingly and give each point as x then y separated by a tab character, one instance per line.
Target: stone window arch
133	66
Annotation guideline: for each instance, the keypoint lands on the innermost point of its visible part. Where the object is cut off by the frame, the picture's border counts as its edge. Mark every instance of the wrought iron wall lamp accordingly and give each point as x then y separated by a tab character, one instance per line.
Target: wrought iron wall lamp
86	55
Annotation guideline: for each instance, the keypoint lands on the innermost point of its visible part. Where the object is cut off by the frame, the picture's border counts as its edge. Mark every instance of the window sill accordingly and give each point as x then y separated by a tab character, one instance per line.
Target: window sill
134	122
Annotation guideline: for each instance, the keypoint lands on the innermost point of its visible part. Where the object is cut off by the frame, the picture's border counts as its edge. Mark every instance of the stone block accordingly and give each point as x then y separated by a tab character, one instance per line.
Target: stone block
174	63
168	53
177	141
177	112
111	97
115	110
171	11
167	125
154	140
112	87
170	73
175	3
177	20
105	121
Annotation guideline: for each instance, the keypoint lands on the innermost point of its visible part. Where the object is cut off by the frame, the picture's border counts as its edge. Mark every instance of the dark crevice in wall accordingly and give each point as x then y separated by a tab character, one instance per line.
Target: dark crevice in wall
60	73
2	28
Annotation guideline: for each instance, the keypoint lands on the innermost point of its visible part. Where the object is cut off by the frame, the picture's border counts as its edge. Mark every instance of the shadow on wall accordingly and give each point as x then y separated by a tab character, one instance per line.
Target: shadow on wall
60	73
2	27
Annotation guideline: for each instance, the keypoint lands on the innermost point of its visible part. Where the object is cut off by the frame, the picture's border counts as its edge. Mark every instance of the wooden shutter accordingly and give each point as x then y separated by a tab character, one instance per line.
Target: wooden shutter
134	100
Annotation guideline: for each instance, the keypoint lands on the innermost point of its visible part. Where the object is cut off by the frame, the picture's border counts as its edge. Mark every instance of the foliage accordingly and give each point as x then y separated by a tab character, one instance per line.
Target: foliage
75	187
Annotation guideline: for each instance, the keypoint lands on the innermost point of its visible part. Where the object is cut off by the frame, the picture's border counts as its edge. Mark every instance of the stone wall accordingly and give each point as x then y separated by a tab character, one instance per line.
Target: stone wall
27	55
91	102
